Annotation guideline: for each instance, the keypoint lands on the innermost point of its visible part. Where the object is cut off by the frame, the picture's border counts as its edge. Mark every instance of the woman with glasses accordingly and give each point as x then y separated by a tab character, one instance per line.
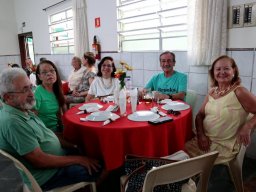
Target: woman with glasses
50	102
105	83
80	91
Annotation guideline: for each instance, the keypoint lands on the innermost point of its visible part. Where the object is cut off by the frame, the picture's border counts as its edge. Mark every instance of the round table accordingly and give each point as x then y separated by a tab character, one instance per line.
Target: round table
123	136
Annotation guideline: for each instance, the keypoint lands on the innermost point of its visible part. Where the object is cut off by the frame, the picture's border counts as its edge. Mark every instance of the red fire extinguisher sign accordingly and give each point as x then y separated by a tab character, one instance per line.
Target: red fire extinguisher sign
97	22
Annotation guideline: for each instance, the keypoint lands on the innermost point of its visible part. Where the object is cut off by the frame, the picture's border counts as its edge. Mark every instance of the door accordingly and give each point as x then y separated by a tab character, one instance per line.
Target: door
26	47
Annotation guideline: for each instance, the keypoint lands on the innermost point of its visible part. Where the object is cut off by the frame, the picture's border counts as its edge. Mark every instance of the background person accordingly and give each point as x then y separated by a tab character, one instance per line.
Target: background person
81	90
170	84
105	83
76	74
221	123
24	135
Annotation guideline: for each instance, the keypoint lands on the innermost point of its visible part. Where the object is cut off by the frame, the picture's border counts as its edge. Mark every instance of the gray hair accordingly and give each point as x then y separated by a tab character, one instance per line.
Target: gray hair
7	77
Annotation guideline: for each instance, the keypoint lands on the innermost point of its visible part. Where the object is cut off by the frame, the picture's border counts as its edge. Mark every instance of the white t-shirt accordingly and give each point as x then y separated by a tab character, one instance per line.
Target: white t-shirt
75	78
102	87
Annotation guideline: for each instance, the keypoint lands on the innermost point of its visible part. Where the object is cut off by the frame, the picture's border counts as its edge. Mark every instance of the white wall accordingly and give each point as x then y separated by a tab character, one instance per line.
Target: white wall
8	29
31	12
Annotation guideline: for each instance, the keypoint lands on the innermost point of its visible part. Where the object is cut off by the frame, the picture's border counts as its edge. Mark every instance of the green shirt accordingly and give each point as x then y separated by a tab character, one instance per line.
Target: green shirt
48	107
21	133
168	85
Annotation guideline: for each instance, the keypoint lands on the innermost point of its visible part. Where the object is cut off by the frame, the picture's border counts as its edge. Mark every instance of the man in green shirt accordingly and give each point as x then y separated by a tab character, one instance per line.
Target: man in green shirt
170	84
24	135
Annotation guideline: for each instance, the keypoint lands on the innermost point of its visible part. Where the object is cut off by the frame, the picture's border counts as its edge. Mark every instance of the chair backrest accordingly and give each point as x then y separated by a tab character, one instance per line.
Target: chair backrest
181	170
35	186
191	98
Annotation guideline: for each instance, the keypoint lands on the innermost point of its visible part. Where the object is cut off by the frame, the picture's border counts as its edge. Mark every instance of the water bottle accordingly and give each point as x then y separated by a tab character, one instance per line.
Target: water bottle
128	83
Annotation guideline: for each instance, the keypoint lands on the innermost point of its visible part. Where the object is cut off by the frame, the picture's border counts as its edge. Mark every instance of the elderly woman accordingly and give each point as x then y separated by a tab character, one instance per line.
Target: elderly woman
221	123
80	92
105	83
50	102
76	75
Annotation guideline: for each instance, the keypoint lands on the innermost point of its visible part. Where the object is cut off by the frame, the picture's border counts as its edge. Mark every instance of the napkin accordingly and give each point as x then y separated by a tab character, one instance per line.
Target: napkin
111	119
179	155
112	108
156	110
88	110
84	119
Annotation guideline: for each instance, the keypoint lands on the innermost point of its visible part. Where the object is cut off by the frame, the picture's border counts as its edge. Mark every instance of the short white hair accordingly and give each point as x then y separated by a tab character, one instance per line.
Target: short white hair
7	77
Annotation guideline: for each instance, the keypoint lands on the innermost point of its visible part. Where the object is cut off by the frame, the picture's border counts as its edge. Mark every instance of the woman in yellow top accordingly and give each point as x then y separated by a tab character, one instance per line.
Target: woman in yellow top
221	123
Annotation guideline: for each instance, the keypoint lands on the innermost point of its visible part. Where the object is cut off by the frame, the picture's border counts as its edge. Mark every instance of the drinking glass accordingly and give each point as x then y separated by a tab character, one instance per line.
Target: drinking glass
148	97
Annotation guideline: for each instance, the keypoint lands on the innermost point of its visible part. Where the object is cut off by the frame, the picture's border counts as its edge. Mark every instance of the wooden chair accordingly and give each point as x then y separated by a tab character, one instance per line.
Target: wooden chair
35	186
181	170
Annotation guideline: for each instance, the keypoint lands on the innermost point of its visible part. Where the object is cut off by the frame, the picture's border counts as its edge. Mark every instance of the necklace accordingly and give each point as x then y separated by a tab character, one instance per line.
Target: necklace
219	92
107	83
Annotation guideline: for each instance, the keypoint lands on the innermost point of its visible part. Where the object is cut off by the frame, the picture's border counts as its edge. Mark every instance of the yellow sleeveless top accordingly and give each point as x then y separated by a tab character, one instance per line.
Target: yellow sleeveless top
223	117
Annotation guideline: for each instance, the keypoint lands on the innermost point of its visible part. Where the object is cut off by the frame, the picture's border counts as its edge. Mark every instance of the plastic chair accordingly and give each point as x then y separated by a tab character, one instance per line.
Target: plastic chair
181	170
35	186
235	169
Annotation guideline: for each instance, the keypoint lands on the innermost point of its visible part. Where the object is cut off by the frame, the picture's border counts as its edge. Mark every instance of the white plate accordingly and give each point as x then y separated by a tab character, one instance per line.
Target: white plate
86	106
177	106
100	116
143	116
165	101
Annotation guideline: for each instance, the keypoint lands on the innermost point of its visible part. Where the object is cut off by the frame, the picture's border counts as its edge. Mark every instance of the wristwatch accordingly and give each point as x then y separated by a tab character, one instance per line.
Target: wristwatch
170	96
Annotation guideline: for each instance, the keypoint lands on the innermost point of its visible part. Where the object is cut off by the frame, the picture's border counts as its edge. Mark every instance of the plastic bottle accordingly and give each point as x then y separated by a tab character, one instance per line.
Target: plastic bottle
128	83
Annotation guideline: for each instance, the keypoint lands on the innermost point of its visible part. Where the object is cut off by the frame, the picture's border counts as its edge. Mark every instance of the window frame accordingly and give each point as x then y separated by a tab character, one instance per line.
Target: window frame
162	36
67	44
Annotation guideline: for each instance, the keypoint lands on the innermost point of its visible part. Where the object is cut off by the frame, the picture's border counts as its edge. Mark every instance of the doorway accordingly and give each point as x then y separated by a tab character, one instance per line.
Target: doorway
26	44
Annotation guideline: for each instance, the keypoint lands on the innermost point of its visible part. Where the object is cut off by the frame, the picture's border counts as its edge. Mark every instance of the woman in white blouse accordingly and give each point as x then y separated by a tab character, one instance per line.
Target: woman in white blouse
105	83
76	75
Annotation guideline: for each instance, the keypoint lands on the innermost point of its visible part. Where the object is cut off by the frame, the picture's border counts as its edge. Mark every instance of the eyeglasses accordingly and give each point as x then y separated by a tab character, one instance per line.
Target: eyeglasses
109	66
26	89
52	71
175	113
166	61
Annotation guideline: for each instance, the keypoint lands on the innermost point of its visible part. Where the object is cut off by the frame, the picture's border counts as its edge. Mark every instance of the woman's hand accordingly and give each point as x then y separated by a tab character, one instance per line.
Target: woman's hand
204	142
75	93
244	134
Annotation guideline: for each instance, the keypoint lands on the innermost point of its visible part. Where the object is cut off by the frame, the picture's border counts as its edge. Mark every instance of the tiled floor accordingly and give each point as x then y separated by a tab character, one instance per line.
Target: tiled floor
10	180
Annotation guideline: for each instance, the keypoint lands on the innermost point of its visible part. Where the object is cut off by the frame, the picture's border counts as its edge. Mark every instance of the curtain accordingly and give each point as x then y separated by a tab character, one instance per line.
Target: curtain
207	30
80	27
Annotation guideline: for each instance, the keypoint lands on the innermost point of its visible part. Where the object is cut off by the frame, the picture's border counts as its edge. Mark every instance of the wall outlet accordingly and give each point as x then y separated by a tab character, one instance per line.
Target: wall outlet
249	14
236	13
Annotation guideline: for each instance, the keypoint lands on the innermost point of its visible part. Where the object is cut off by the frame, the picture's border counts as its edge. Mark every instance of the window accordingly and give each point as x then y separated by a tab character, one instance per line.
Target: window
61	32
152	25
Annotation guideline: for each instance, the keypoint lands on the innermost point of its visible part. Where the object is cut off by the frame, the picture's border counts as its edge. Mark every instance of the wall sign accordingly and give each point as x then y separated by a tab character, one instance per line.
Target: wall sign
97	22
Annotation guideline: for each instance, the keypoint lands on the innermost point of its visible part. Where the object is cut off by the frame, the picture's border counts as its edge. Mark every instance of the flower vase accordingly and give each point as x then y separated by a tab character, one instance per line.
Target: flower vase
122	101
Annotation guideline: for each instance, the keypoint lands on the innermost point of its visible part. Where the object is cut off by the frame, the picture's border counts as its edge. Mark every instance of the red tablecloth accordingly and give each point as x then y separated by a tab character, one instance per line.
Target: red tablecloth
113	141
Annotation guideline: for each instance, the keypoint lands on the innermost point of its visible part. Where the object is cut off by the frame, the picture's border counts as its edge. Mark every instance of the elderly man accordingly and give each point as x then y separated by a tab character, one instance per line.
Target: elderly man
170	84
24	135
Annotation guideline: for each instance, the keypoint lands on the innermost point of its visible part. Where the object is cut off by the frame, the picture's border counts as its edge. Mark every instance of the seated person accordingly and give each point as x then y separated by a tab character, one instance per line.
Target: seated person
76	75
105	83
50	102
170	84
80	91
221	123
24	135
29	65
